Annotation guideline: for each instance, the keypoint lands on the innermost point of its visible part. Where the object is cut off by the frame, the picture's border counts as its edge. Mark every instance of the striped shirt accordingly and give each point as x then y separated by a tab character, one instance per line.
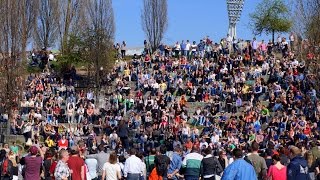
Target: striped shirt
192	163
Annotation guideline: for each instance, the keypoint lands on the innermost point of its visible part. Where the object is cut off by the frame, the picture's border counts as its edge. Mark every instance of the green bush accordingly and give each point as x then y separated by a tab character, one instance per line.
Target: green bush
33	70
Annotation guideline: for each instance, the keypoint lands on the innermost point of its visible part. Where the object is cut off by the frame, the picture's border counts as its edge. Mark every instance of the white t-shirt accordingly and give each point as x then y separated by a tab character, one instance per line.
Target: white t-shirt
51	57
111	170
188	45
177	47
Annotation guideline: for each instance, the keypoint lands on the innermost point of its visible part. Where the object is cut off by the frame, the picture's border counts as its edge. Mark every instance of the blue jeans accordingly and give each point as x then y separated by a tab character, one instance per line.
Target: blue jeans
133	176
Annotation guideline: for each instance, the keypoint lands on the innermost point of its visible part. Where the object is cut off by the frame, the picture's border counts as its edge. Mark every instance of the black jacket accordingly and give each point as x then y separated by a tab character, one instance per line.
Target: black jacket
123	131
210	165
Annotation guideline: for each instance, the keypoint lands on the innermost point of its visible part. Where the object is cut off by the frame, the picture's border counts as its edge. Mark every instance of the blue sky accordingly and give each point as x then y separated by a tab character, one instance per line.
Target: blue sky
188	19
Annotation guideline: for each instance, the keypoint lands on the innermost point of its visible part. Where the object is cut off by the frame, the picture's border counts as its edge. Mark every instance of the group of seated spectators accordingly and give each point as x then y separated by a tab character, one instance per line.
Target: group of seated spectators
253	113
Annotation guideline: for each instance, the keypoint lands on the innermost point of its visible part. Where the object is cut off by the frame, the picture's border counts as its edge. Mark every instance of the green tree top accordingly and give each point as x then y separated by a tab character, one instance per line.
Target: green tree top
270	16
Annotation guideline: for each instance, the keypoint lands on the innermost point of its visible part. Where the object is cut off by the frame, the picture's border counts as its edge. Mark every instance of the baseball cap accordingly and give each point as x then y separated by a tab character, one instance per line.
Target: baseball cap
33	150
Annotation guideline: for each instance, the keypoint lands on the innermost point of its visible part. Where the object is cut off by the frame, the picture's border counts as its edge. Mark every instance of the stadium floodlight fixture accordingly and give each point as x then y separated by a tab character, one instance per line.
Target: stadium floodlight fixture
234	12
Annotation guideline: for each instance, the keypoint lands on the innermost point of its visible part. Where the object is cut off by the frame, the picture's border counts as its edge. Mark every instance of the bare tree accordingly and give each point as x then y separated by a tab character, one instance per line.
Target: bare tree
99	34
46	30
13	38
306	16
28	11
154	21
70	13
101	17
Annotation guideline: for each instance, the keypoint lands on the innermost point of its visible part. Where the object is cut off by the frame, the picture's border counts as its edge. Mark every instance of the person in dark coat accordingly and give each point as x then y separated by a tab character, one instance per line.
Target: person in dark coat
298	166
123	133
210	166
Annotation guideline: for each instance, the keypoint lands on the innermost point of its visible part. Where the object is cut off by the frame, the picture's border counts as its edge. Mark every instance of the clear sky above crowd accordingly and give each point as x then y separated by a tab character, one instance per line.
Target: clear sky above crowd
188	19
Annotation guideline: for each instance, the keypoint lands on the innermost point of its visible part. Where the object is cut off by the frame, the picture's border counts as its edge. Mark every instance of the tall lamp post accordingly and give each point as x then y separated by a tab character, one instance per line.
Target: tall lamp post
234	12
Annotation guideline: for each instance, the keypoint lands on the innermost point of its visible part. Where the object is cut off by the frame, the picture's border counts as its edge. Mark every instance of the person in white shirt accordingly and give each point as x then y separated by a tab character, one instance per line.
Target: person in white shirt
295	63
177	49
215	138
80	113
265	68
51	57
277	88
90	95
70	112
111	169
37	114
203	144
155	88
257	71
131	169
92	165
187	49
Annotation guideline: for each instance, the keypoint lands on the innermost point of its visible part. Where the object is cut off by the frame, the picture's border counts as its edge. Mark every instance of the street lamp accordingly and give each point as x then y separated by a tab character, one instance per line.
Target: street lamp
234	12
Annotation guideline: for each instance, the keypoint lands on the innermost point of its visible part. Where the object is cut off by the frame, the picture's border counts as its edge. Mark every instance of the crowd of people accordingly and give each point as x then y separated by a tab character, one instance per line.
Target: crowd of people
230	110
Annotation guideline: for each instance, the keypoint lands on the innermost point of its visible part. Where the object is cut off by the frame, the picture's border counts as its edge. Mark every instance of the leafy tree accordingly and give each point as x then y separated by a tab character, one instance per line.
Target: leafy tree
270	16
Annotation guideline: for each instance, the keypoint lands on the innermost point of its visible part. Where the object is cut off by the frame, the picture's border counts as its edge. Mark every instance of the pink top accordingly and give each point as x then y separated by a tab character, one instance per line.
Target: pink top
277	174
263	47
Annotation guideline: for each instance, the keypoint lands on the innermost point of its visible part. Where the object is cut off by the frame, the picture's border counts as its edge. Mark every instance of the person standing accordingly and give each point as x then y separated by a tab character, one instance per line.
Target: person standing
254	45
76	165
33	164
210	166
162	161
175	164
123	49
111	169
132	168
192	164
240	169
47	163
298	166
223	160
102	157
149	160
315	150
62	171
187	50
123	131
291	38
92	165
5	173
257	161
277	171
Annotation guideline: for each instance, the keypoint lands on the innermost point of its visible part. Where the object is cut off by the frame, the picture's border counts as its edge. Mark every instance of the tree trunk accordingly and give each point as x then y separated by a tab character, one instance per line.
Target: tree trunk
272	36
8	107
66	29
24	32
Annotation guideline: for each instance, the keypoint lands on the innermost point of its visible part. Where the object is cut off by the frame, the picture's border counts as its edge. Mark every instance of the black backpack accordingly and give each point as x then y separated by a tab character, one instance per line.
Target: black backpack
161	164
6	168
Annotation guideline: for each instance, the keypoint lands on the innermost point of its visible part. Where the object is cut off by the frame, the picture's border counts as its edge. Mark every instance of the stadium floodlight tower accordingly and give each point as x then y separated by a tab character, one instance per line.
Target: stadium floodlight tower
234	12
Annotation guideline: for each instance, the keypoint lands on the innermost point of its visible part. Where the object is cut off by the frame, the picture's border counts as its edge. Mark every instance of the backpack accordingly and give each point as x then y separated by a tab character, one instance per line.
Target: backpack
6	167
161	165
154	175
